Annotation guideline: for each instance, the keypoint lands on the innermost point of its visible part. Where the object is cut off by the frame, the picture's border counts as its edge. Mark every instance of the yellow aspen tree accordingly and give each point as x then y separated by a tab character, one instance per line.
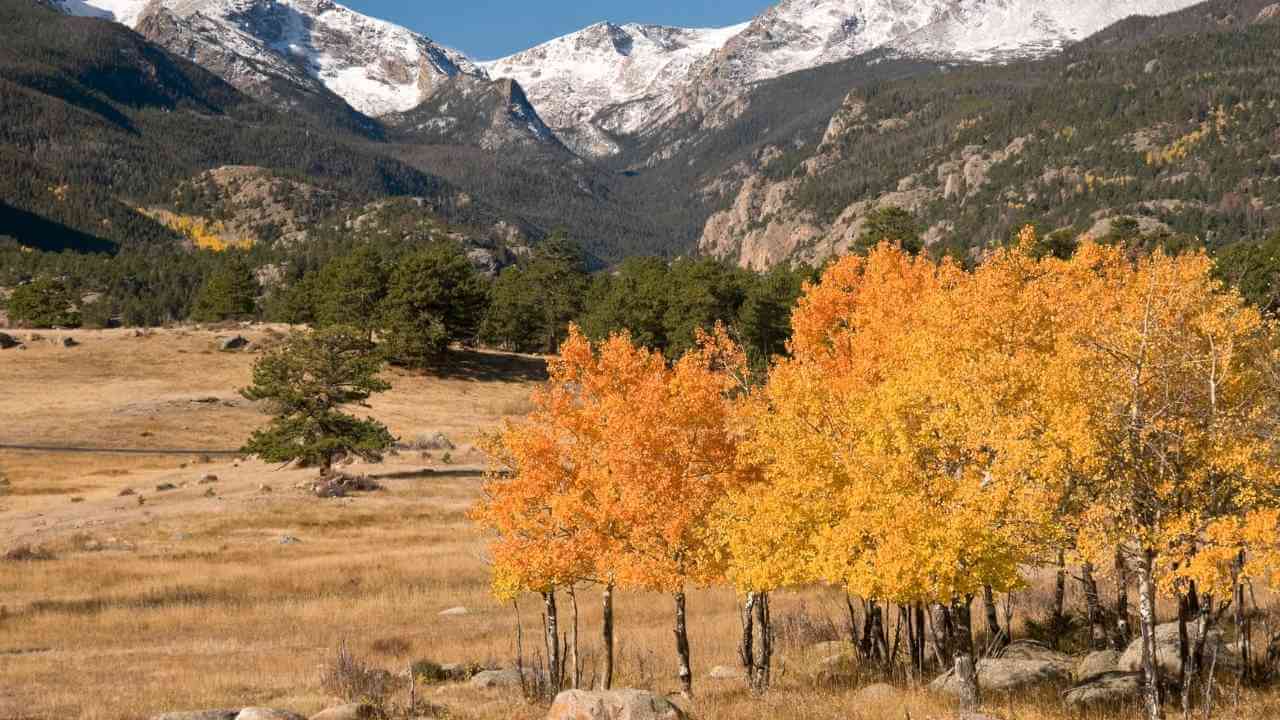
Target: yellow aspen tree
1162	382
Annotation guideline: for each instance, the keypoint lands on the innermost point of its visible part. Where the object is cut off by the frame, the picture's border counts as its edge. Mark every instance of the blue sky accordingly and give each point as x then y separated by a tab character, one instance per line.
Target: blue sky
488	29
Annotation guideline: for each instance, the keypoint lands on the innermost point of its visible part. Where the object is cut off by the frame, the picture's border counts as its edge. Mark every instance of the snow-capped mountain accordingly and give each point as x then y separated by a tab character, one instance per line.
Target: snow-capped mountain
376	66
572	78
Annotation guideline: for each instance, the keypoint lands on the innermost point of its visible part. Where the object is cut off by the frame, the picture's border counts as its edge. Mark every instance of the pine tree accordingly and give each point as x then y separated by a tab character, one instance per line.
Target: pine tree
43	303
533	303
350	290
434	298
229	293
307	381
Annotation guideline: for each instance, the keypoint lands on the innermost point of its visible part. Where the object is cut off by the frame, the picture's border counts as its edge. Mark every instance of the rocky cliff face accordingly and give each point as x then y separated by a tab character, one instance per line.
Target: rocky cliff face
475	111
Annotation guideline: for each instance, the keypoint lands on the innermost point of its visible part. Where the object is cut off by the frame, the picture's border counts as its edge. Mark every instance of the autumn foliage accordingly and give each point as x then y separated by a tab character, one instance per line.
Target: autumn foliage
933	434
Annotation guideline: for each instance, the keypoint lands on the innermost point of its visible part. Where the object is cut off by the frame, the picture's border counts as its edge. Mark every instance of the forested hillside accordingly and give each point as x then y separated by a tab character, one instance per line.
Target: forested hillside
1163	128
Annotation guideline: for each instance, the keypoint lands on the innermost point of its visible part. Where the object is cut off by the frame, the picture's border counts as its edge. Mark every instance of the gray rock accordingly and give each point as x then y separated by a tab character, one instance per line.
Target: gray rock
613	705
1032	650
495	679
7	341
70	342
724	672
258	713
1268	14
199	715
1168	656
208	478
1002	675
289	540
1105	689
1152	67
352	711
239	342
1097	663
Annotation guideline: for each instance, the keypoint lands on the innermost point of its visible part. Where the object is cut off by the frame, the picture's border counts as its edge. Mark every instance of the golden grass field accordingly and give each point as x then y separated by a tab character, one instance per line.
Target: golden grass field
187	601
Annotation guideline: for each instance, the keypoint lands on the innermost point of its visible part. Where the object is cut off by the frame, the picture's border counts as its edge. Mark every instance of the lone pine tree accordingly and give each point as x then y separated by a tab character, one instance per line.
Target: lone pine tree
307	381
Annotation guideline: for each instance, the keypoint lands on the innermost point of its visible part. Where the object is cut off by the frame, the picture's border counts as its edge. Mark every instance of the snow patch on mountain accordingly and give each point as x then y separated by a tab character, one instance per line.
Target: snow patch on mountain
571	79
376	66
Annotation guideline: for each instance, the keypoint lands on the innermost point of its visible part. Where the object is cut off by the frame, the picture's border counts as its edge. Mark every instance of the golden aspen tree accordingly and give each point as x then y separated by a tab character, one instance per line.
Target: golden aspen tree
866	436
1161	388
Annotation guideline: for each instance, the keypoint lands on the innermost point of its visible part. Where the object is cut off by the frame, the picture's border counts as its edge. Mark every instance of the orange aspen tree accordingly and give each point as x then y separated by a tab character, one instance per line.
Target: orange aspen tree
1163	390
616	472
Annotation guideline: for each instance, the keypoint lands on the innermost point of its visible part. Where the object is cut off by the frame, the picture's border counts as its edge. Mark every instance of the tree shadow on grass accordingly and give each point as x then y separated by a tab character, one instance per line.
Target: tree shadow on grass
479	366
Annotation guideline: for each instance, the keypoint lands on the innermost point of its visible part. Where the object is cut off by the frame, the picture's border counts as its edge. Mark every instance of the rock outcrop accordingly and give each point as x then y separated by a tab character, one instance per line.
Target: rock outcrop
613	705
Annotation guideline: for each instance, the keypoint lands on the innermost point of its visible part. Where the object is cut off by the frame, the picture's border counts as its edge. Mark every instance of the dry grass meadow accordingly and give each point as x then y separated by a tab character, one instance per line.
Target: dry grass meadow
186	600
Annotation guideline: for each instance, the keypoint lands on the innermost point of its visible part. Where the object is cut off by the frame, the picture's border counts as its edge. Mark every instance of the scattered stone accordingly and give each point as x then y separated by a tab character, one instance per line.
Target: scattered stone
352	711
70	342
1106	689
239	342
289	540
257	713
166	487
724	672
199	715
1268	13
1001	675
434	441
1097	663
208	478
340	485
1152	67
7	341
613	705
454	611
495	679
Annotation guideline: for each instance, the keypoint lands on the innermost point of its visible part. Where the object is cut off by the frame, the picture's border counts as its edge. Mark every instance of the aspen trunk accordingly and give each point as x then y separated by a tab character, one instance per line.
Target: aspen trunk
746	650
1120	640
576	659
682	647
997	636
1059	598
920	640
606	637
762	663
1147	626
943	632
1195	654
551	624
1093	605
1239	619
965	665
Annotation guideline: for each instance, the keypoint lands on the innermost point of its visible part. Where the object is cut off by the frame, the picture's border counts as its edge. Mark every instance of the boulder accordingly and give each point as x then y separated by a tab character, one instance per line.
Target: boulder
259	713
724	672
495	679
7	341
1097	663
351	711
1032	650
199	715
1167	655
1152	67
1106	689
239	342
1003	675
613	705
70	342
1269	13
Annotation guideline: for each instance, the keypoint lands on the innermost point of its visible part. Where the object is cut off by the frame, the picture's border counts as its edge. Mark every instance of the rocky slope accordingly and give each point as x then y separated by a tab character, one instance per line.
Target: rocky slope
1112	139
